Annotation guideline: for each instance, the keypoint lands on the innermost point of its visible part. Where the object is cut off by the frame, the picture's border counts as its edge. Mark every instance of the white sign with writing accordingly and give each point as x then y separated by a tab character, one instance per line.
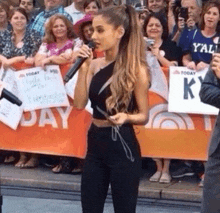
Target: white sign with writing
40	88
184	90
10	114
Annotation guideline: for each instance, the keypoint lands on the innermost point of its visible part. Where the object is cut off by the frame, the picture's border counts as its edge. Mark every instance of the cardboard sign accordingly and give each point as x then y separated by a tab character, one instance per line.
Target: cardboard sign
184	90
10	114
41	89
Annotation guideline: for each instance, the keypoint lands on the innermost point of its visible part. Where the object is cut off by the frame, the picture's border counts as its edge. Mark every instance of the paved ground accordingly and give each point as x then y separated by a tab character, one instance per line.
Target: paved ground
30	205
59	193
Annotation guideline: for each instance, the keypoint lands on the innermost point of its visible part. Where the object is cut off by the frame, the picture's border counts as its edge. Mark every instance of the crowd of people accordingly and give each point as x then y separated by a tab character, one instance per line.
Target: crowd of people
177	33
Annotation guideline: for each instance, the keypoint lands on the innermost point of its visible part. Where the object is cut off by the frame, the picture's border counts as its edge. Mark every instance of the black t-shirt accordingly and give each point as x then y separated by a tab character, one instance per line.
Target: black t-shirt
171	52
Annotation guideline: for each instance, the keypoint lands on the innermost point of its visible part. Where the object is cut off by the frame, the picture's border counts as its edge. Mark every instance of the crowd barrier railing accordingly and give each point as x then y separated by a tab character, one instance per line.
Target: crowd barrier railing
62	130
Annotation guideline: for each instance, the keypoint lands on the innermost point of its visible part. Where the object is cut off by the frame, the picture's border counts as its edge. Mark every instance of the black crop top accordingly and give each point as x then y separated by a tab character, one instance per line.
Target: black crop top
99	98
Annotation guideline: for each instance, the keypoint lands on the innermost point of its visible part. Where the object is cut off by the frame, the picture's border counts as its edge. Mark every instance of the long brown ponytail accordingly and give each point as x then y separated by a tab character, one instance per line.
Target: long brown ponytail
130	59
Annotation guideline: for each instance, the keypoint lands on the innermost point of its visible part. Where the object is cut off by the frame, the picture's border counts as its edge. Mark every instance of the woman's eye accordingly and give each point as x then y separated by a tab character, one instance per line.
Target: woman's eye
100	30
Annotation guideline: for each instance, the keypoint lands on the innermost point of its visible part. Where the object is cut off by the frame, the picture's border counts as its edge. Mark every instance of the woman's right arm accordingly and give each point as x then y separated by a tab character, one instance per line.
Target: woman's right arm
41	54
187	61
85	75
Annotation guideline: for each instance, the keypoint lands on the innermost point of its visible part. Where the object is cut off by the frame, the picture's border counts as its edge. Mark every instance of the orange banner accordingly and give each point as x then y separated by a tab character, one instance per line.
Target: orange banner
62	131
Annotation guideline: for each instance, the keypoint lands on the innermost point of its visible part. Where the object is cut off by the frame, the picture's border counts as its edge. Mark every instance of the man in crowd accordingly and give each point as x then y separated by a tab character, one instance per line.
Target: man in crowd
30	8
194	12
75	10
51	7
156	5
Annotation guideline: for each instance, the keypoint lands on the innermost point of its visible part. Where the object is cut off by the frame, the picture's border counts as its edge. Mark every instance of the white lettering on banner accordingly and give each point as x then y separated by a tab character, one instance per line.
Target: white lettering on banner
31	121
47	117
64	115
184	92
160	118
207	123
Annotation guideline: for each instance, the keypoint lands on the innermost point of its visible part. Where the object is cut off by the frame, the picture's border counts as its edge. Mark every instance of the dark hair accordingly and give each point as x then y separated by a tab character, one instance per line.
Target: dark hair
87	2
34	2
163	21
4	5
20	10
81	34
49	36
207	6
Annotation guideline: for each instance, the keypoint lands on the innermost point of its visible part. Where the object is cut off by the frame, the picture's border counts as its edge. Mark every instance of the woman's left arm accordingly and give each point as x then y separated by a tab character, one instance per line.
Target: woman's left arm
163	61
141	96
13	60
59	59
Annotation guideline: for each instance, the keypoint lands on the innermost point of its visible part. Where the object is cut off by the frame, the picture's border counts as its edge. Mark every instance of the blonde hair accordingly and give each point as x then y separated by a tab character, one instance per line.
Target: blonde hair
130	59
49	36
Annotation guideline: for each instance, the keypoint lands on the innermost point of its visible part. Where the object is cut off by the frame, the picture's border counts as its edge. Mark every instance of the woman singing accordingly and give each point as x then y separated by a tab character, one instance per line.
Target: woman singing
117	86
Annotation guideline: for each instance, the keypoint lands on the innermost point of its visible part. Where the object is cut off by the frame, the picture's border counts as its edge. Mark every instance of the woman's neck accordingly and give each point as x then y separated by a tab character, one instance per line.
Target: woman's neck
111	54
158	42
61	40
209	32
3	25
19	32
19	35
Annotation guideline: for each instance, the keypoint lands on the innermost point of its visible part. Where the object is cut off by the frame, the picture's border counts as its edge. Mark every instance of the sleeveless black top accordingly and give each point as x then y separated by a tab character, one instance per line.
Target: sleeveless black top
98	96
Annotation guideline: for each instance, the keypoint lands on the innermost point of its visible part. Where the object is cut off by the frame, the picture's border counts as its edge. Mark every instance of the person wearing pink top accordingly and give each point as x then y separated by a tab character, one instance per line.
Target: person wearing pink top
58	43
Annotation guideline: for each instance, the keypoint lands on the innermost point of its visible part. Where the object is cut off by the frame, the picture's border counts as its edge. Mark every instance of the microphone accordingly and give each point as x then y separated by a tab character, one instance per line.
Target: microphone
79	61
10	97
4	93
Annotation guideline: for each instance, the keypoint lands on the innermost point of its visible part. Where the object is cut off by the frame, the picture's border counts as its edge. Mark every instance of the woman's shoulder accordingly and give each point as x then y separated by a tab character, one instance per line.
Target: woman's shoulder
32	33
168	42
6	33
97	64
195	33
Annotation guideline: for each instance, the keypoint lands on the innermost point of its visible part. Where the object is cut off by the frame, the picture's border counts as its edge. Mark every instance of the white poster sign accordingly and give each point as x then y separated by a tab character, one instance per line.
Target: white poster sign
184	90
10	114
40	88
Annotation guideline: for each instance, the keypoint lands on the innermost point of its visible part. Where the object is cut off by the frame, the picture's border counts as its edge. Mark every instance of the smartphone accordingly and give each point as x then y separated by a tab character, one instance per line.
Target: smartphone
184	13
149	42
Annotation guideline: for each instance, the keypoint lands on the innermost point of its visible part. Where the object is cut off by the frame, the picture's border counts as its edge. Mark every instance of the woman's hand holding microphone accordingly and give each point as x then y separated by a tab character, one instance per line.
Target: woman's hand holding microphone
85	52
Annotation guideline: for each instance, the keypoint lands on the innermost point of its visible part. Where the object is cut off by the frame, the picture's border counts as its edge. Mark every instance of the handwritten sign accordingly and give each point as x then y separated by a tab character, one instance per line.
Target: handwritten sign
184	90
41	89
10	114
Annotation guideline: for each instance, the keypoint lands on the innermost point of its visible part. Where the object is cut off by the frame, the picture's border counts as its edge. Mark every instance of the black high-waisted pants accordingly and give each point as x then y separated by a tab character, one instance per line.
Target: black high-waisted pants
105	163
